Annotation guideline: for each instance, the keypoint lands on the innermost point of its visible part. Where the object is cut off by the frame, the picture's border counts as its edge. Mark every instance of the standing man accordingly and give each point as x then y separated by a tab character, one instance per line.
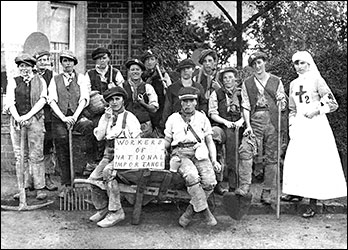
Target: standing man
160	81
103	77
143	99
188	135
43	67
226	116
207	75
172	102
260	96
26	96
68	96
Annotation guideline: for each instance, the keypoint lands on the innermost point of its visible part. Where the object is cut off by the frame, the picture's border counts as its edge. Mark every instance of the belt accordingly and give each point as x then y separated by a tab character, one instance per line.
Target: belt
184	145
265	108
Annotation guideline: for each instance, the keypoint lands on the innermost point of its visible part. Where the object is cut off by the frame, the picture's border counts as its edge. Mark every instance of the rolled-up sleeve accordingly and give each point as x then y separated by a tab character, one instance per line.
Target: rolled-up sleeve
213	104
84	93
151	93
52	92
9	100
245	98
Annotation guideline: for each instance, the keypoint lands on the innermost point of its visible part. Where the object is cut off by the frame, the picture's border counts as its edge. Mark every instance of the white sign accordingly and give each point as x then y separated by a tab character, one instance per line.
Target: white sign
139	153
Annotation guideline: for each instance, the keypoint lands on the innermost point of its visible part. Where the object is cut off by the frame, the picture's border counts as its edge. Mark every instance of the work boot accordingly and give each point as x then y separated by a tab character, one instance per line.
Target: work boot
243	190
112	218
49	183
266	196
99	215
40	194
187	216
209	217
219	189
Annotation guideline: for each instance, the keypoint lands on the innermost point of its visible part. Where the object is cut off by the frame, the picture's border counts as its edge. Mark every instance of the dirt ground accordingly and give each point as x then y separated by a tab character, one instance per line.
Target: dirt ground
158	228
50	228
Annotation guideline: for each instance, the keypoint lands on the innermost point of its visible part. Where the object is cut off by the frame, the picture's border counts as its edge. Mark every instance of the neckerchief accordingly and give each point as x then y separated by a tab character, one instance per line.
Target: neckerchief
102	72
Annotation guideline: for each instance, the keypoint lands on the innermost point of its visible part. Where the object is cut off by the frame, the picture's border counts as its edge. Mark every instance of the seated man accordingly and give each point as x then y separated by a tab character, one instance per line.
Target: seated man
189	134
116	122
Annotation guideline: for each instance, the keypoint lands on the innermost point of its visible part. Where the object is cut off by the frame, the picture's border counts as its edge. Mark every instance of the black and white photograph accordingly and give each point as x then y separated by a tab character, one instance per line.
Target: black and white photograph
173	124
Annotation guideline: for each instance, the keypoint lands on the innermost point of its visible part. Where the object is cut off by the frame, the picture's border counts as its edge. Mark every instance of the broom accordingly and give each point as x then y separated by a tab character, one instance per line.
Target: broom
74	198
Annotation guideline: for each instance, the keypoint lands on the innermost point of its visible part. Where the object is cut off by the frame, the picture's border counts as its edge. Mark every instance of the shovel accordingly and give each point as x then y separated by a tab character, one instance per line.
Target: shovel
20	181
236	205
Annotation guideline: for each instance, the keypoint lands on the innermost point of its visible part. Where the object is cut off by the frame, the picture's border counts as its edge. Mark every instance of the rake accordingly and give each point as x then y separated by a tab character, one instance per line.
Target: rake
77	196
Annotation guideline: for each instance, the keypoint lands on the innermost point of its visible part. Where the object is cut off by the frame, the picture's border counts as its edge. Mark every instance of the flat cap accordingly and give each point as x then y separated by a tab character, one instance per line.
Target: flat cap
25	58
41	53
150	53
186	63
256	55
67	54
205	53
186	93
226	69
100	52
135	61
115	91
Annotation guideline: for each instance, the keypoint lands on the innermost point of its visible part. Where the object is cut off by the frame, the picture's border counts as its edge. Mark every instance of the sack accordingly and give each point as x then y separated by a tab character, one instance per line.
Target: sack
201	152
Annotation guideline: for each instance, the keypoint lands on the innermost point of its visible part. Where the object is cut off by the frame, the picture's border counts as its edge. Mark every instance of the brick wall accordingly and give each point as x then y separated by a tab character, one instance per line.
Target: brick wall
108	27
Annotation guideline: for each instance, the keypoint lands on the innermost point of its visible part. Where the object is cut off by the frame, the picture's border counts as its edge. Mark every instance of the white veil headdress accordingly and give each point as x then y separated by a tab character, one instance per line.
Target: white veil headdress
306	57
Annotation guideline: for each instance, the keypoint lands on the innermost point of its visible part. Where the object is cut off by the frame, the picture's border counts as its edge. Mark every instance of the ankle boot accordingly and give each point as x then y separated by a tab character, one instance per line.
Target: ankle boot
187	216
49	183
209	217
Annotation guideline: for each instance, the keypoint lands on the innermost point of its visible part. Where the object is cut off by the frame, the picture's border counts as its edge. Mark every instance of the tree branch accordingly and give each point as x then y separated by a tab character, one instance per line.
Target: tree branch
226	14
260	13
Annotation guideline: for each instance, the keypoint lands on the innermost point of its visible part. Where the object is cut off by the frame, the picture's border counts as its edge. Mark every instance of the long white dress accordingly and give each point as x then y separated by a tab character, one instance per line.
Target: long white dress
312	166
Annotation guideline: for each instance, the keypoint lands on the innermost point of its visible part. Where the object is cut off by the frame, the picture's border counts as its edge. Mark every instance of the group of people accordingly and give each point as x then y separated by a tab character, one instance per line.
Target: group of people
214	128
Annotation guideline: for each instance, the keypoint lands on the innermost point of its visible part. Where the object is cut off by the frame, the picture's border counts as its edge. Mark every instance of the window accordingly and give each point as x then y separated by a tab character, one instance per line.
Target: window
62	31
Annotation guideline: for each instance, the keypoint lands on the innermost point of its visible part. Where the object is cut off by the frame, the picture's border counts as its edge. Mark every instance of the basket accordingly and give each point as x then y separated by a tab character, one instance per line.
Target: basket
96	105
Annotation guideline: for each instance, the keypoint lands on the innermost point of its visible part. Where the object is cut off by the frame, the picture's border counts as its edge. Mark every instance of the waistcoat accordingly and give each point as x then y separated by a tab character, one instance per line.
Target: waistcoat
68	98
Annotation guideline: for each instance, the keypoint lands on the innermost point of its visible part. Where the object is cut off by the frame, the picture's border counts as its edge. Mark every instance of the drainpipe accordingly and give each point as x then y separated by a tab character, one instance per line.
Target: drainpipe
129	28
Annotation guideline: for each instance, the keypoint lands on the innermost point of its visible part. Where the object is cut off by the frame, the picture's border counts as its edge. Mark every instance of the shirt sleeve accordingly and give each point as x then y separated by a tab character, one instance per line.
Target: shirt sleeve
133	126
207	127
213	104
119	79
9	100
153	98
245	98
44	89
52	91
84	93
88	82
327	99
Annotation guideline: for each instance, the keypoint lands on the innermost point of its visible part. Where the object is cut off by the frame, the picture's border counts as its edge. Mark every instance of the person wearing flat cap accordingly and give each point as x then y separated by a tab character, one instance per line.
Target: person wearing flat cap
104	76
188	135
172	102
160	80
262	94
142	97
99	79
68	96
43	68
116	122
207	75
26	96
226	117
